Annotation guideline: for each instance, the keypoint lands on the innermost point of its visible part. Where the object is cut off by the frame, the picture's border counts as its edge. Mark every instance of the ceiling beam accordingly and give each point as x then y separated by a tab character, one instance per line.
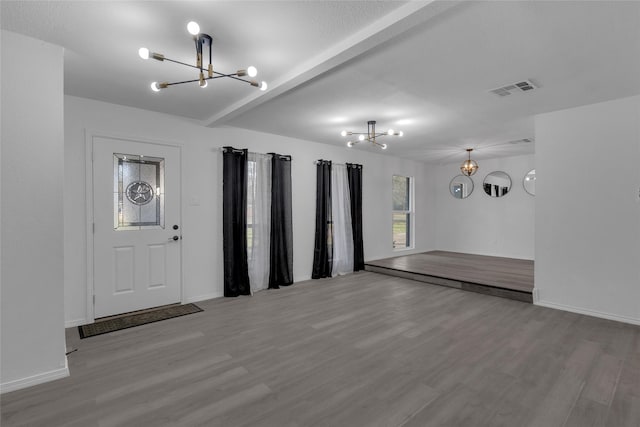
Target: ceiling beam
397	22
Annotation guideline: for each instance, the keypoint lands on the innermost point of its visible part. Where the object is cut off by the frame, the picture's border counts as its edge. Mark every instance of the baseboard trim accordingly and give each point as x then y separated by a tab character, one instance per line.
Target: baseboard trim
75	322
536	295
592	313
202	298
44	377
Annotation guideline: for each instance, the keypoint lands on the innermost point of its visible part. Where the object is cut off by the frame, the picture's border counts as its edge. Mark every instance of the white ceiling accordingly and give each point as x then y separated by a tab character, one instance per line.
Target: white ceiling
424	67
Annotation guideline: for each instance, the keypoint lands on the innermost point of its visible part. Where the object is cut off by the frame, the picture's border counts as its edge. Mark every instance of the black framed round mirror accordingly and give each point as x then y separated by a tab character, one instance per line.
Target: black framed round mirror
497	184
461	186
529	182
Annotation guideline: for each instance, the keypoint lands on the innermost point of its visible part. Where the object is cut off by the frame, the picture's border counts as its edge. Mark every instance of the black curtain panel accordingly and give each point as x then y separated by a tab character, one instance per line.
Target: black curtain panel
234	222
323	250
354	173
281	252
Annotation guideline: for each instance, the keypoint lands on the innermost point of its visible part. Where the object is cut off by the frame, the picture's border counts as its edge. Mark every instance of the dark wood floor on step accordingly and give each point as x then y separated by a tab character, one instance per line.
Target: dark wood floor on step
505	277
358	350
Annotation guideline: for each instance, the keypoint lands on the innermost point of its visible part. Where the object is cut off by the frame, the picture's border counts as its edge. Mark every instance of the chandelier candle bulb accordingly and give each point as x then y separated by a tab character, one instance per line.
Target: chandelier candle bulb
143	52
193	28
252	71
263	86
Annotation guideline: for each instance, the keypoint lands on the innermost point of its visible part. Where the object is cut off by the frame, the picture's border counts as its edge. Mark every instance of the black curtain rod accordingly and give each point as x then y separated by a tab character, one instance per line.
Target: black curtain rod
315	162
238	150
280	156
231	149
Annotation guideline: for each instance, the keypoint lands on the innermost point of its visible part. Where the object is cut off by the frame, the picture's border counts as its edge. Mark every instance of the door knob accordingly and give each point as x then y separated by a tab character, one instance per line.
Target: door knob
174	238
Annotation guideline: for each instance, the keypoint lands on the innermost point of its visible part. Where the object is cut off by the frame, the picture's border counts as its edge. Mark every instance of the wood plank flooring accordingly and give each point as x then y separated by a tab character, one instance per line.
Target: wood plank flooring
357	350
498	276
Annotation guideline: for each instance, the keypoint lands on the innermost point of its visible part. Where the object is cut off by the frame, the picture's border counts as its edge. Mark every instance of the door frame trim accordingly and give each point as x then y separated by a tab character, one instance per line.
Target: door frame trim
90	135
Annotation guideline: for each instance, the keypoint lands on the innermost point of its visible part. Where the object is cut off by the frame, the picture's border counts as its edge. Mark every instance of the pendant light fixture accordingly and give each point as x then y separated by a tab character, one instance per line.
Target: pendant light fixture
202	41
370	136
469	167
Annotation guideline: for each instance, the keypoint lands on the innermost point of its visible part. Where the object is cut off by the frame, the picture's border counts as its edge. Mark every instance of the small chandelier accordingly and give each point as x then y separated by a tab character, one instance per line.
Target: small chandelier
469	167
370	136
202	40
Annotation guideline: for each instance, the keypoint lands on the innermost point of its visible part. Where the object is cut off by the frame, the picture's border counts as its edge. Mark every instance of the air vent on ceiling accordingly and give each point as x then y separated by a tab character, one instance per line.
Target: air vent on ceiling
523	86
522	141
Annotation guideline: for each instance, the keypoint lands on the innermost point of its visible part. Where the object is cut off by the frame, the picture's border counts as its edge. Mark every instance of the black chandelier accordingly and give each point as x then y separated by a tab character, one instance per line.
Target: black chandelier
202	41
370	135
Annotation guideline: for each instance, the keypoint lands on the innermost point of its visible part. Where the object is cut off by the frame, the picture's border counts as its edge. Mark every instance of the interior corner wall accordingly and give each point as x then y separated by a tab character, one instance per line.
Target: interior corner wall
202	194
485	225
588	209
33	340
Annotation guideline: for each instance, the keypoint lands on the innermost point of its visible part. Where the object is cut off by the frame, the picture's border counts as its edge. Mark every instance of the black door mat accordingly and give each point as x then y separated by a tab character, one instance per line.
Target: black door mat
136	319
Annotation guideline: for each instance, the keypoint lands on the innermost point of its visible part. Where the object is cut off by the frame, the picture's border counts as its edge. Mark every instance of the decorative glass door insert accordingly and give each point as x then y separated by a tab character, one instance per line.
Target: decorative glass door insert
138	197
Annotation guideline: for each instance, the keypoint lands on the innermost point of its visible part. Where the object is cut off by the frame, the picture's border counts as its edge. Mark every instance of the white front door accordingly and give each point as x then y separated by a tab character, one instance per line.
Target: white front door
137	229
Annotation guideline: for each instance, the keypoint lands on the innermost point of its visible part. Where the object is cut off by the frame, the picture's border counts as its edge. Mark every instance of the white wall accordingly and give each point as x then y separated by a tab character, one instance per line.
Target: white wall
202	180
486	225
588	209
33	343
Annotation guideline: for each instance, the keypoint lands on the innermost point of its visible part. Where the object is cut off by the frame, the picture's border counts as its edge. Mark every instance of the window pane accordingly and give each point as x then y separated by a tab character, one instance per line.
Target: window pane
249	240
138	192
400	193
401	227
251	197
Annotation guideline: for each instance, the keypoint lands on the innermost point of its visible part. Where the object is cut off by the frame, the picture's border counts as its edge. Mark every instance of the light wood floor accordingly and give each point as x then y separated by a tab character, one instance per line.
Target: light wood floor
359	350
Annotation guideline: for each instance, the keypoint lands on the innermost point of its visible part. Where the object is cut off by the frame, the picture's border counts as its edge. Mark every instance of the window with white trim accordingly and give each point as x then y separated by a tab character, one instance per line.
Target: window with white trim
402	214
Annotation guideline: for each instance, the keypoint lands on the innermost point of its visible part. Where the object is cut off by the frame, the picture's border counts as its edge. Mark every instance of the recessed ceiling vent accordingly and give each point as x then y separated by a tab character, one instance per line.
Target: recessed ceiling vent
523	86
522	141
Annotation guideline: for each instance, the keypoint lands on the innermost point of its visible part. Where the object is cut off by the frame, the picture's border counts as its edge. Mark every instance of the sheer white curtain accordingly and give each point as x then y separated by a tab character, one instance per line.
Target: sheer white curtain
341	216
258	219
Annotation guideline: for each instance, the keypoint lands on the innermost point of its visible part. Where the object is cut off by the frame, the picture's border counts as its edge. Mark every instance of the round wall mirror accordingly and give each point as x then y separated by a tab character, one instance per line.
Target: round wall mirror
529	182
497	184
461	187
